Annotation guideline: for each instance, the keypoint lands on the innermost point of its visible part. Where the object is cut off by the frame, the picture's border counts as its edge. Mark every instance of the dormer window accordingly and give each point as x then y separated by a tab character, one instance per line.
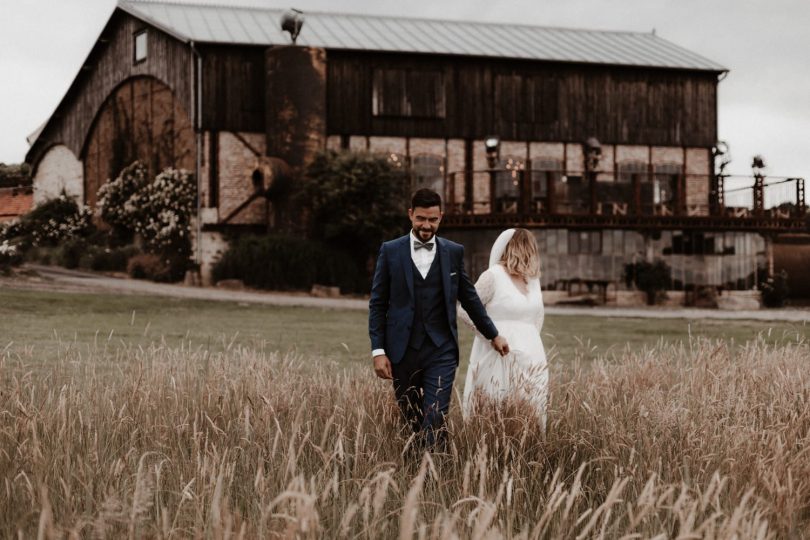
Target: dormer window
140	46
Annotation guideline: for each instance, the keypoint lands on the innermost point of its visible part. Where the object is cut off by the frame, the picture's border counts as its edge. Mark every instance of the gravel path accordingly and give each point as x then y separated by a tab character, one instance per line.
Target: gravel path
60	279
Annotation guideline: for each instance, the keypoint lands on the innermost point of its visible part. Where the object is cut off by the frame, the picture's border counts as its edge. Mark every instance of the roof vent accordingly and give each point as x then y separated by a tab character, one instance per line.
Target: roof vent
291	22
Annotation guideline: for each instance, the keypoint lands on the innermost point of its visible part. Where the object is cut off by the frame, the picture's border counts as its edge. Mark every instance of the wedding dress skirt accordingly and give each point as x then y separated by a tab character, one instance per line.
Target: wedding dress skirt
523	373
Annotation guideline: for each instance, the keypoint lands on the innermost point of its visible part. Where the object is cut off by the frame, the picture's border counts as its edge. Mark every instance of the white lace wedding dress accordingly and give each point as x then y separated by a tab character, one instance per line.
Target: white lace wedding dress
523	373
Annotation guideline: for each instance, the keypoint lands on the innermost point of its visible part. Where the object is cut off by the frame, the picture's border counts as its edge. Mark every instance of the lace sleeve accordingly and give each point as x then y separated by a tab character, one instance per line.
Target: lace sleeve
541	313
485	287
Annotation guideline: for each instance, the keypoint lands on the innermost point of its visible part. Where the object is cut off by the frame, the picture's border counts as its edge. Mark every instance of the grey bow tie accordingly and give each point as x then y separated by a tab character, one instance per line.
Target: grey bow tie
417	245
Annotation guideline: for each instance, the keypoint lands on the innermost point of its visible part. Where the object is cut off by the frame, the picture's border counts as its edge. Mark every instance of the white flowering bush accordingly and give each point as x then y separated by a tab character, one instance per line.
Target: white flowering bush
49	224
118	199
164	209
9	255
158	211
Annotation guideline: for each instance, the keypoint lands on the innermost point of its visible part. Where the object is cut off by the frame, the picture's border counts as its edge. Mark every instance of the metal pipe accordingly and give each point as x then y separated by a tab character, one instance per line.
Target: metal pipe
196	97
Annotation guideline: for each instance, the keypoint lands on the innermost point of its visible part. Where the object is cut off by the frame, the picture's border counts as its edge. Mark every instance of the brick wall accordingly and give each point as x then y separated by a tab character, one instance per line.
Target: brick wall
237	161
358	143
626	153
58	170
333	143
666	154
388	145
698	168
573	157
455	164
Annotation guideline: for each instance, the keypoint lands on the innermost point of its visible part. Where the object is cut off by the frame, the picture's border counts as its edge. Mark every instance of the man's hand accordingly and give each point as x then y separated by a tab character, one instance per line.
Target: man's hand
382	367
499	344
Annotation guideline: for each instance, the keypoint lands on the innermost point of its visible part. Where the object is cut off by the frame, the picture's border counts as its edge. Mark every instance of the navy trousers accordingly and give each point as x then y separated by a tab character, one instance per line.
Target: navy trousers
423	384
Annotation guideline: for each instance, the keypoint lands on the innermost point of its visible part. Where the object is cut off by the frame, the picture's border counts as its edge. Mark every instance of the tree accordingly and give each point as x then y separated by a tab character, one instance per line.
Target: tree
355	202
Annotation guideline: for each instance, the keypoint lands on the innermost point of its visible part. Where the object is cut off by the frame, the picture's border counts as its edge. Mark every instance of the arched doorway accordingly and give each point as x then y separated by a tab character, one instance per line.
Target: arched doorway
140	120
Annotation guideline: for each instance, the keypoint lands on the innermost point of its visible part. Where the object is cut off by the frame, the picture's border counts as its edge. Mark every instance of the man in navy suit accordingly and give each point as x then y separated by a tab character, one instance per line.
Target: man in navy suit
412	317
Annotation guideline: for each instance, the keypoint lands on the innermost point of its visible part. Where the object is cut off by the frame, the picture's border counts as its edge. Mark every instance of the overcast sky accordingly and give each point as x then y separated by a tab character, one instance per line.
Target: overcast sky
764	103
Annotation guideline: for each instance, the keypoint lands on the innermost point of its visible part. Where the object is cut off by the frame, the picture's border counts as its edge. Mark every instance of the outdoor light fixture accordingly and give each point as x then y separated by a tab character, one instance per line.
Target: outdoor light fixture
593	153
292	21
758	163
492	144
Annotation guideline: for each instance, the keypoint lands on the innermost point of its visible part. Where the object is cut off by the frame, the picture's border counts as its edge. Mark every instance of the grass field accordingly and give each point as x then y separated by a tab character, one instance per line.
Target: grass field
145	417
42	319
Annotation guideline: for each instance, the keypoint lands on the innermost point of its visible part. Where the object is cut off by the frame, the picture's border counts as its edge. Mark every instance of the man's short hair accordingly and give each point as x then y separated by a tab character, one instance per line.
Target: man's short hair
426	198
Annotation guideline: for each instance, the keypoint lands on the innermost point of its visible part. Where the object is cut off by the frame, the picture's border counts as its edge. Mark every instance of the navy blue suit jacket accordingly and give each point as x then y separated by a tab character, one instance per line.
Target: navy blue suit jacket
391	308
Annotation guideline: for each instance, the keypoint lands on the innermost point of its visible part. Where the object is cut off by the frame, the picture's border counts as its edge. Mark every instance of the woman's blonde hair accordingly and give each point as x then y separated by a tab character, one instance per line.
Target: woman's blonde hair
521	256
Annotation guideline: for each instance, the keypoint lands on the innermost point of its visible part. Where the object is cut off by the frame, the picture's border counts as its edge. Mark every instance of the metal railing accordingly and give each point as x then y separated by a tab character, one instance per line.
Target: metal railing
611	193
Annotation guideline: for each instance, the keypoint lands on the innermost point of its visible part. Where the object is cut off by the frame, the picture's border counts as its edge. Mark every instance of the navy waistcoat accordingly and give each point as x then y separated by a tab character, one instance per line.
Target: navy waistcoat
430	313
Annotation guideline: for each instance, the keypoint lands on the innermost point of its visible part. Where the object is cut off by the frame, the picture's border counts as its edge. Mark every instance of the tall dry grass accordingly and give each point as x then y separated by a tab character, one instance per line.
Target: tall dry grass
691	441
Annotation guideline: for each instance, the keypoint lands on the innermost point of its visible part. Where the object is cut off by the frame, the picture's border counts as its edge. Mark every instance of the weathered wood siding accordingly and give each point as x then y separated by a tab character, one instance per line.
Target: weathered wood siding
233	83
141	120
109	64
532	101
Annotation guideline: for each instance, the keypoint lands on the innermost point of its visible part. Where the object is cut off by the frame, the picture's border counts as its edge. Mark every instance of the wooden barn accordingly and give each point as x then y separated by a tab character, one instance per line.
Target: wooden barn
603	143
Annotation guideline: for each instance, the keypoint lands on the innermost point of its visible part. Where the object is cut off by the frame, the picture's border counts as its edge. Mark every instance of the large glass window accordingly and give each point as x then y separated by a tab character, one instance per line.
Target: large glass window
507	184
543	171
427	171
141	46
411	93
665	188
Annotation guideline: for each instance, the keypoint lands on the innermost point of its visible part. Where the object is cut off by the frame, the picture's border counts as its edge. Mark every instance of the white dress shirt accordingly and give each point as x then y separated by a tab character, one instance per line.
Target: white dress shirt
422	259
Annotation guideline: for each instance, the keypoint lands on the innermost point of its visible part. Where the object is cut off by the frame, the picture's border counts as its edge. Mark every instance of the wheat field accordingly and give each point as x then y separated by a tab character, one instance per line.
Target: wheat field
676	441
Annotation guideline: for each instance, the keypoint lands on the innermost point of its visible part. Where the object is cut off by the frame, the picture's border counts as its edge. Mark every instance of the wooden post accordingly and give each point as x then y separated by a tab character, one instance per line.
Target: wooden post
492	191
526	195
550	189
759	194
592	191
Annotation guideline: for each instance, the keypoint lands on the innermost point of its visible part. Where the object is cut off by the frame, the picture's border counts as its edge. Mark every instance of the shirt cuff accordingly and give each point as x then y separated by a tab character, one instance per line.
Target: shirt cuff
377	352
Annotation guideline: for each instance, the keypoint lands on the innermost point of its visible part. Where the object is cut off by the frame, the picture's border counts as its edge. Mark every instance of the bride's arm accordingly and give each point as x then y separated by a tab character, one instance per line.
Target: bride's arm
485	287
538	320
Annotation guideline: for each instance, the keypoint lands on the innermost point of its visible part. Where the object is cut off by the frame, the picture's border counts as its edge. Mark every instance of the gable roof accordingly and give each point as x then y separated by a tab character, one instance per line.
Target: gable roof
261	26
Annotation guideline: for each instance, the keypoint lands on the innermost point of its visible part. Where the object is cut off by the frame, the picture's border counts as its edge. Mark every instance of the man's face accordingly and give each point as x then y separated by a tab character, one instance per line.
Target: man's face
425	221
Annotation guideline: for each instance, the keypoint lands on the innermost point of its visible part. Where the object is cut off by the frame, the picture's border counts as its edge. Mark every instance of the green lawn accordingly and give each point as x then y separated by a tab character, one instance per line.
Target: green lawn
37	322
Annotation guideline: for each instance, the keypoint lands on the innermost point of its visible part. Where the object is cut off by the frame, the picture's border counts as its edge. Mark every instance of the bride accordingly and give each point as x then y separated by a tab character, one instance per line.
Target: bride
510	291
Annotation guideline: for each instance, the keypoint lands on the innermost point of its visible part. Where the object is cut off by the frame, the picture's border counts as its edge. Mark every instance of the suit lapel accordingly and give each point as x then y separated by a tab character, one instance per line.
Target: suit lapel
407	262
444	261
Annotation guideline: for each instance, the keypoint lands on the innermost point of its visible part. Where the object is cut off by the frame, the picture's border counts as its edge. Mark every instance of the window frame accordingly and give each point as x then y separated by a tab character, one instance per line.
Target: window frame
410	80
140	33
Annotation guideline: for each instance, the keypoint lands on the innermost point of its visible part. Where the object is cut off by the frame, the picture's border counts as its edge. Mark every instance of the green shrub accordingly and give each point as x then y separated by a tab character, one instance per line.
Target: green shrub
775	290
70	253
356	201
288	263
103	259
9	256
147	266
651	277
50	224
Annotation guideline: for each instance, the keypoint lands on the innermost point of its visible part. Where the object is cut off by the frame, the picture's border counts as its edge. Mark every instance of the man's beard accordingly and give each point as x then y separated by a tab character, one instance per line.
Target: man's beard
419	233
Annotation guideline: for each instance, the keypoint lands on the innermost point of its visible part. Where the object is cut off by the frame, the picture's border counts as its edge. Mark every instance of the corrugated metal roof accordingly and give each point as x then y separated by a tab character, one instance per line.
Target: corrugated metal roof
261	26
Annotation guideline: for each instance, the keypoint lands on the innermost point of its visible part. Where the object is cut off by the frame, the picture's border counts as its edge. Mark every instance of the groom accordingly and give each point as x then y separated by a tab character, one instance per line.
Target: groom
412	317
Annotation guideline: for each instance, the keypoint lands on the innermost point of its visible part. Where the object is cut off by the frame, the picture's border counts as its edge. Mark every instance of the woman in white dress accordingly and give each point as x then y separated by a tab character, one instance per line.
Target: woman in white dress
510	291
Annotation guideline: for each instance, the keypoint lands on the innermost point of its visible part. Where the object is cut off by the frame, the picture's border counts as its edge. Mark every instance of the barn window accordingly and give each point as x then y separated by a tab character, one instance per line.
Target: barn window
544	170
140	50
409	93
507	184
427	171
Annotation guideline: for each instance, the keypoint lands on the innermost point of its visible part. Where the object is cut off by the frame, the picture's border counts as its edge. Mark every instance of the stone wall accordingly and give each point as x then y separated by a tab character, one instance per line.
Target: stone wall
238	158
58	171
